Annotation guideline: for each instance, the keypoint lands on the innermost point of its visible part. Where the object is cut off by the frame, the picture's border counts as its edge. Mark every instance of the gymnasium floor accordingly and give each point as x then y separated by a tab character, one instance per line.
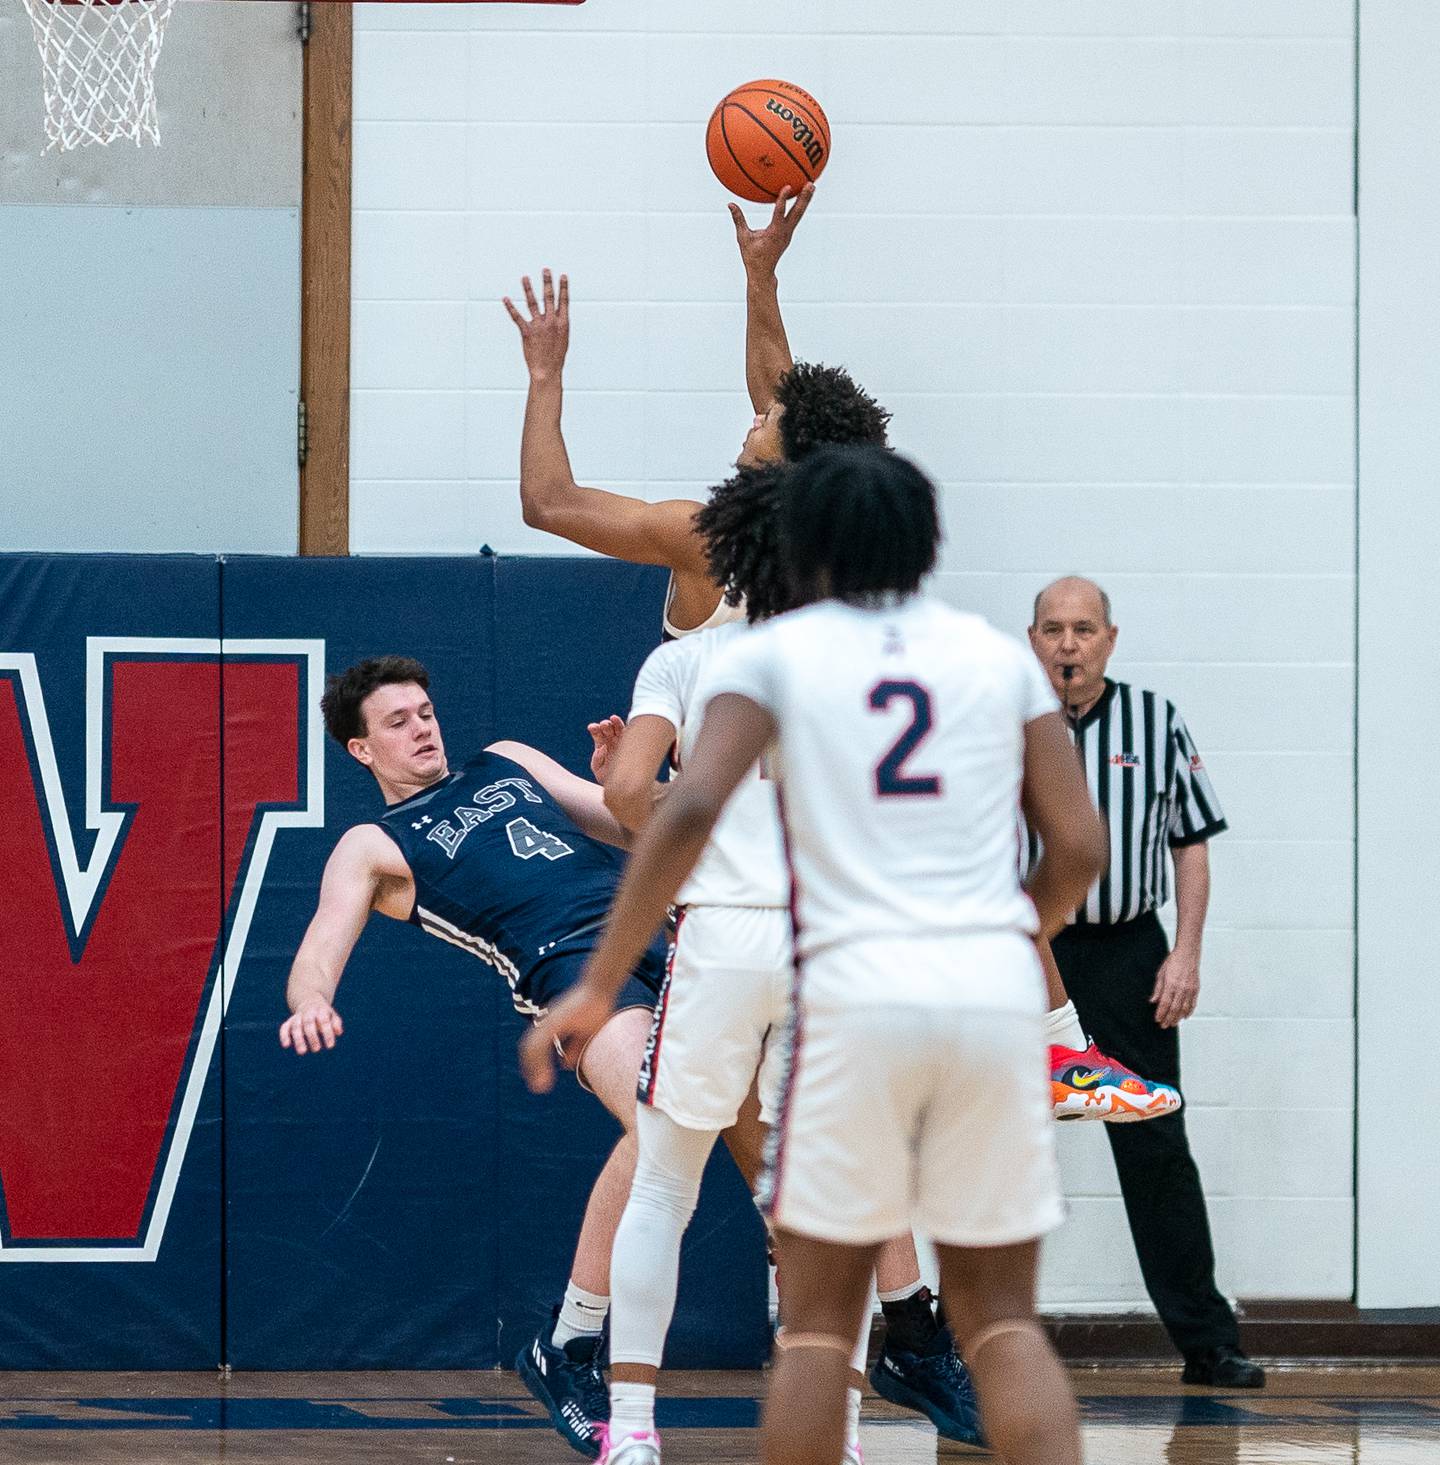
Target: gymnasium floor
1347	1416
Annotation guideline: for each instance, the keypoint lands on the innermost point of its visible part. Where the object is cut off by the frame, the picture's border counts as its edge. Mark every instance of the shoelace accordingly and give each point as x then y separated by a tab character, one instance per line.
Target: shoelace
591	1390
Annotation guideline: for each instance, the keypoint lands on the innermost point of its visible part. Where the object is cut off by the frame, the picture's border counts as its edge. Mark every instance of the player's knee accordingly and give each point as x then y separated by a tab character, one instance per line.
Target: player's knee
1023	1332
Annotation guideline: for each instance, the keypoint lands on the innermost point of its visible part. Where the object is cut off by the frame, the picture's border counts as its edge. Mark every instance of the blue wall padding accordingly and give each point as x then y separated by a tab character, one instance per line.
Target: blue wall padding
402	1201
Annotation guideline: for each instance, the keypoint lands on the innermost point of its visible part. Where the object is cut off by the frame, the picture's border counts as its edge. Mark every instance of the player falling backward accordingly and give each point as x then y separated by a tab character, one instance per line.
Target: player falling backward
799	407
509	858
900	734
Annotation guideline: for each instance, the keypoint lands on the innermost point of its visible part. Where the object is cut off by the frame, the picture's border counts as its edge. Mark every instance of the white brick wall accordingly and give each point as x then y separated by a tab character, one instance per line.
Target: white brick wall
1099	260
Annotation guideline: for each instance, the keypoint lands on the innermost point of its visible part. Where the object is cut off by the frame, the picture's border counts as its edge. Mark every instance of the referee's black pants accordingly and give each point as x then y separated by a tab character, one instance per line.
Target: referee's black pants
1109	972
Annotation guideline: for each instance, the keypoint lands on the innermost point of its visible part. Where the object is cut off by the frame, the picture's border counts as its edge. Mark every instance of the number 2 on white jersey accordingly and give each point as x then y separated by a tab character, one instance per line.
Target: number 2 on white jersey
891	779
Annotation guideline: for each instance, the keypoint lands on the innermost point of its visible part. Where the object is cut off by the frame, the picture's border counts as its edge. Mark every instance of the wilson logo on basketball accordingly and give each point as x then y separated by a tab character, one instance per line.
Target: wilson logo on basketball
804	133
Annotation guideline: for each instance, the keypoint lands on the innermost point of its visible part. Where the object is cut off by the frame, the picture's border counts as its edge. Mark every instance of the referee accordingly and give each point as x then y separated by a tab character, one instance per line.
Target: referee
1130	991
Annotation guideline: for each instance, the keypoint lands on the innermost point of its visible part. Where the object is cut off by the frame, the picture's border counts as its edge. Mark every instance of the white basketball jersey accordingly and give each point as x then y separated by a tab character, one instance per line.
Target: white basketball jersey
723	614
899	758
744	863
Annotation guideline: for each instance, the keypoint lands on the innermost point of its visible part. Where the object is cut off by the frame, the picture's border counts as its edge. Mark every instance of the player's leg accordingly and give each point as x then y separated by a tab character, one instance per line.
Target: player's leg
987	1101
562	1366
1084	1082
645	1276
827	1285
1029	1409
918	1366
705	1045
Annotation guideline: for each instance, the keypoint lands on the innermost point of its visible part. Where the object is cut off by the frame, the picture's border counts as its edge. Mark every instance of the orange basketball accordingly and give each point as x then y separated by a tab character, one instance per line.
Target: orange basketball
764	135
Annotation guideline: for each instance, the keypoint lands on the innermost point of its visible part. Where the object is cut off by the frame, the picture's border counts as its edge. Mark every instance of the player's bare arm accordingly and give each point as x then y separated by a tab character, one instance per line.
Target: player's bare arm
736	731
630	789
550	498
1058	807
364	873
582	801
767	349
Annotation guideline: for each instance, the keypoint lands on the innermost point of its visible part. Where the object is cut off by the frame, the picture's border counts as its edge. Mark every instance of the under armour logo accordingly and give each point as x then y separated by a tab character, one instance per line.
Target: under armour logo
422	822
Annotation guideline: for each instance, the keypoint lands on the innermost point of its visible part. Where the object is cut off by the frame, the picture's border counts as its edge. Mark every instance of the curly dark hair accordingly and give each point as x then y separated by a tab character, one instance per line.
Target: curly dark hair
823	404
742	540
340	705
857	524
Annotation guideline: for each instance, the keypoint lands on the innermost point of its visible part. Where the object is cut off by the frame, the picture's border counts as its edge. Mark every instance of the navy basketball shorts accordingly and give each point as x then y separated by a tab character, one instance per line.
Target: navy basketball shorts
561	970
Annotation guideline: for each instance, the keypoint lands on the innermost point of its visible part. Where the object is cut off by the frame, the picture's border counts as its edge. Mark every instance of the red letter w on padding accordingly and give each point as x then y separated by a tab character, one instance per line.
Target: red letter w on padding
114	969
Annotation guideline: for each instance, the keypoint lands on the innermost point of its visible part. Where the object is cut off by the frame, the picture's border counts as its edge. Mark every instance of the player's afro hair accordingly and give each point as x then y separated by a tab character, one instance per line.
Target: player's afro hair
823	404
857	524
742	540
344	693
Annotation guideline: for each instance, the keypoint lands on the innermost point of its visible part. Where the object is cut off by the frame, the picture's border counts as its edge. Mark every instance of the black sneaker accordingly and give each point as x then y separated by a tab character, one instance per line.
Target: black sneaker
568	1381
1222	1368
934	1383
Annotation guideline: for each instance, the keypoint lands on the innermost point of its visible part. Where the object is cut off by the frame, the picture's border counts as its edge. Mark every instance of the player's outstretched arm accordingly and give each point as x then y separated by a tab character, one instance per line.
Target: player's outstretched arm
550	499
582	800
767	349
736	731
1057	806
631	792
359	877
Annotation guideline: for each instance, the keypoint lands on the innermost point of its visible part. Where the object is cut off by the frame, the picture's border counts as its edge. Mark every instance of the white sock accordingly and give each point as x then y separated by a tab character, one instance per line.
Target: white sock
904	1293
632	1410
582	1315
852	1416
1062	1028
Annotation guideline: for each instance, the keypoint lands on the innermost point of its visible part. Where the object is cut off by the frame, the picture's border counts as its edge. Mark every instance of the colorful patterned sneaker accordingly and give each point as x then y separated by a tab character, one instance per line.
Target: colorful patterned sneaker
934	1383
568	1381
1089	1085
630	1449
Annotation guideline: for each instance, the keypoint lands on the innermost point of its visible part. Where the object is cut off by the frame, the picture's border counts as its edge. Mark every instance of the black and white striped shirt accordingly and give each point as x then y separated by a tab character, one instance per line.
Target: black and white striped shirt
1152	790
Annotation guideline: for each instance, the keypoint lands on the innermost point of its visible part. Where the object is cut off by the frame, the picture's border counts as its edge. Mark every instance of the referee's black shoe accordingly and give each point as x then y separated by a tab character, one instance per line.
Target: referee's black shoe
1222	1368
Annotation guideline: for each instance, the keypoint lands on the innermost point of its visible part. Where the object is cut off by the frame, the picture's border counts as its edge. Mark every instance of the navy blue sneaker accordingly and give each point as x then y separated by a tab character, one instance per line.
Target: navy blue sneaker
934	1383
568	1381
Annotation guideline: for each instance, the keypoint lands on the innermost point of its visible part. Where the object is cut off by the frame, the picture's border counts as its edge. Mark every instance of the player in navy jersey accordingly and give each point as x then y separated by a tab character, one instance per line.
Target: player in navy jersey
509	857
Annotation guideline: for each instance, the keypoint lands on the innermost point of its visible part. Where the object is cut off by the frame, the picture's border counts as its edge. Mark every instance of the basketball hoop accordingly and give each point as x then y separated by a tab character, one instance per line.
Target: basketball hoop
99	68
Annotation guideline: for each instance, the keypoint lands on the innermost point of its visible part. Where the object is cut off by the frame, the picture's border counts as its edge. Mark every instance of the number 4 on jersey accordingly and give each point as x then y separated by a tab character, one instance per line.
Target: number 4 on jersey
527	841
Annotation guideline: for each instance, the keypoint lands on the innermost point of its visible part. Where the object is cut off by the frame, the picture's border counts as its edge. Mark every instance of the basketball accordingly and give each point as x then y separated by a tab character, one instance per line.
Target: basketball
764	135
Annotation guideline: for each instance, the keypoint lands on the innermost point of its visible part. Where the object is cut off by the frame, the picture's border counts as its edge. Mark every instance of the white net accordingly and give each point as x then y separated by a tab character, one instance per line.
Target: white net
99	68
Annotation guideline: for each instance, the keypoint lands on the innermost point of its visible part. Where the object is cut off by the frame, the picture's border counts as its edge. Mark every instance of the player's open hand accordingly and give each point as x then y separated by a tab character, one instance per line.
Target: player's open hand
605	734
545	332
314	1025
565	1029
761	249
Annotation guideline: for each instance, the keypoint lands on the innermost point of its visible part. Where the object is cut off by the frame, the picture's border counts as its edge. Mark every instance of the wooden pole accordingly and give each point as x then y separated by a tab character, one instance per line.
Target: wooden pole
325	284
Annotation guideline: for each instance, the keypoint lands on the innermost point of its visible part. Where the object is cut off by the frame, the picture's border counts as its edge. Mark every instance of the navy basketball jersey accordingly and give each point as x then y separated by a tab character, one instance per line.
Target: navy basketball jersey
501	871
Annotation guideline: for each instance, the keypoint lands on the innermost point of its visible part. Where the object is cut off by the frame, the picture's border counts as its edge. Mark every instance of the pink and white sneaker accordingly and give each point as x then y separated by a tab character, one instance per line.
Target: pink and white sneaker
630	1449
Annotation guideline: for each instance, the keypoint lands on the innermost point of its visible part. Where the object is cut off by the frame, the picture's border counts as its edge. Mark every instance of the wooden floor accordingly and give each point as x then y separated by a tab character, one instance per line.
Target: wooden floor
1351	1416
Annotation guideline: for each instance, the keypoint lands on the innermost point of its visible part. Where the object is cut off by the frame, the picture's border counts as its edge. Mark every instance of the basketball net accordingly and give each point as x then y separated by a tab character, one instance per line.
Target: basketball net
99	62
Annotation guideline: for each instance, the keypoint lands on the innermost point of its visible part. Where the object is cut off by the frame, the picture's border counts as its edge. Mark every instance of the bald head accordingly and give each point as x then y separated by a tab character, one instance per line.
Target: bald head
1074	637
1077	592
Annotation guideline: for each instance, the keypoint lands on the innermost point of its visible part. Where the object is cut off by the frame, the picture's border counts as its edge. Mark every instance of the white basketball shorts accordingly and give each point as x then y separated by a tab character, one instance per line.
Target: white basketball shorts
917	1113
721	1017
